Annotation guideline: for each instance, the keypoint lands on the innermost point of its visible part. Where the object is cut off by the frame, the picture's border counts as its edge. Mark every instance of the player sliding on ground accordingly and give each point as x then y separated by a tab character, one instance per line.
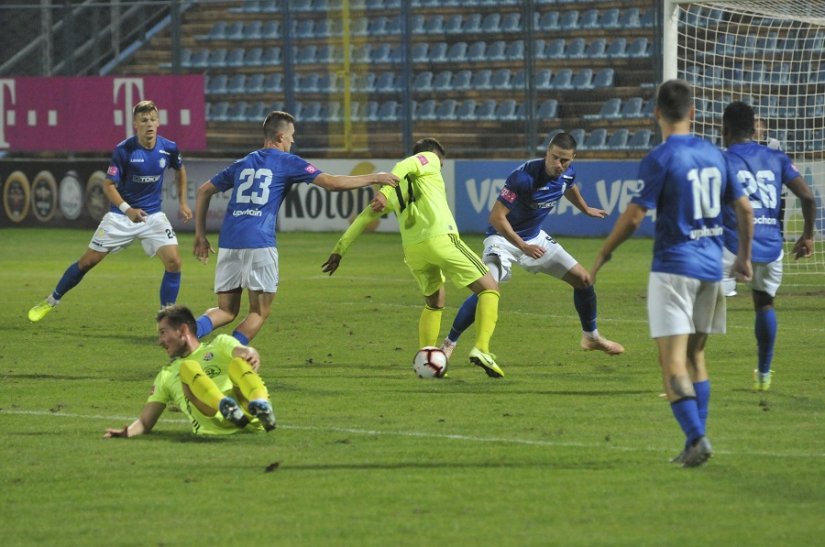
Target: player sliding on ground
215	384
432	248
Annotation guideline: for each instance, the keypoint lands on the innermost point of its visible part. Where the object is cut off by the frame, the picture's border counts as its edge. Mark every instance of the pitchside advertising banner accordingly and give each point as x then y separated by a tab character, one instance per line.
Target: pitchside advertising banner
93	114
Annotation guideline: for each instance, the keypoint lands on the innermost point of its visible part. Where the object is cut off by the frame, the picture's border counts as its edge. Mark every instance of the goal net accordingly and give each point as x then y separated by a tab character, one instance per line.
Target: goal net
770	54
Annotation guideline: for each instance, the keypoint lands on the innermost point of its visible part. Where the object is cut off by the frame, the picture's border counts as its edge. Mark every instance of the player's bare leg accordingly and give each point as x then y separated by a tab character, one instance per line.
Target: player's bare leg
584	298
260	304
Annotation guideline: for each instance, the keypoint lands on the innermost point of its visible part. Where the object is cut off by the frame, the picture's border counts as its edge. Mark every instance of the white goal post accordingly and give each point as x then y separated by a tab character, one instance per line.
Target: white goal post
770	54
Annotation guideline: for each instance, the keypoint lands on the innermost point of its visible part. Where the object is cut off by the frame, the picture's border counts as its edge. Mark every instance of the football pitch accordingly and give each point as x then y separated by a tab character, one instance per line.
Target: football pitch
570	448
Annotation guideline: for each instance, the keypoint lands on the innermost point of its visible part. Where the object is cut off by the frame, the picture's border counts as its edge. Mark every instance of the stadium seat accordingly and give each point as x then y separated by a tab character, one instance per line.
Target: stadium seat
377	26
217	111
583	79
549	21
501	79
548	109
218	31
251	30
609	109
425	110
481	80
453	24
543	79
236	84
358	26
363	82
604	78
388	111
423	81
630	18
563	79
235	57
466	110
255	83
472	23
641	140
438	52
495	51
511	22
486	110
597	49
200	58
515	50
307	83
477	51
569	20
815	106
216	85
420	51
639	48
271	56
255	112
596	140
252	56
446	110
648	18
617	48
328	54
609	19
305	55
554	49
386	83
236	112
461	80
578	135
576	48
417	24
380	53
491	24
443	80
216	58
271	30
457	52
309	112
632	108
518	81
369	113
618	140
234	31
434	24
330	112
768	106
506	110
274	83
589	19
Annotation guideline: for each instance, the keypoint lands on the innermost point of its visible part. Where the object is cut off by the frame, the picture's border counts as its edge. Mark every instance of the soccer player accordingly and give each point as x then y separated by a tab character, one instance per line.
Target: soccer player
134	185
432	248
686	180
215	385
763	171
247	252
515	236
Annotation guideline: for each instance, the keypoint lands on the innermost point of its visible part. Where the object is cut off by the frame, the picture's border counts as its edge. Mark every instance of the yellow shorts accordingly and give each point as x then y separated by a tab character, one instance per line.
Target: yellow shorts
446	255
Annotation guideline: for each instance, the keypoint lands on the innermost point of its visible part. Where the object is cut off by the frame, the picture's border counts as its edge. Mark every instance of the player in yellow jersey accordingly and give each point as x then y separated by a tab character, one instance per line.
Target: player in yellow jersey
215	384
432	248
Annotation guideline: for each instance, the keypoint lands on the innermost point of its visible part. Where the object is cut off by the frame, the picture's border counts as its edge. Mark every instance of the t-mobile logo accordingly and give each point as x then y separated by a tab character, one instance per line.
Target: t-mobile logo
6	116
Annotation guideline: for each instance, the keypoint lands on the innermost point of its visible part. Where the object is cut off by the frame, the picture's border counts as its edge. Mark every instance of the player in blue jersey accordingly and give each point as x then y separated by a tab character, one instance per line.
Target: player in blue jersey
247	252
685	179
763	172
134	186
516	237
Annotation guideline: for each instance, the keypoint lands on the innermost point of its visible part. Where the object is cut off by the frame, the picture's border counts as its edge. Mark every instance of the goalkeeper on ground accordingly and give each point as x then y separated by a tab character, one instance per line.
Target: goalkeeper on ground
433	248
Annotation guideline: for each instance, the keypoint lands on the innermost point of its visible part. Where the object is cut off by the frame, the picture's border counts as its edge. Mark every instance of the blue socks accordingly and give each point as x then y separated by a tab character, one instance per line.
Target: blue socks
71	277
585	302
702	390
686	412
204	326
169	288
465	317
765	330
240	337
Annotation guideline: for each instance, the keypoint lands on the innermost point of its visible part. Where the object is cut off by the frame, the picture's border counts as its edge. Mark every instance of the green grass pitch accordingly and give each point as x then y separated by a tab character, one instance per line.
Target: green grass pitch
570	448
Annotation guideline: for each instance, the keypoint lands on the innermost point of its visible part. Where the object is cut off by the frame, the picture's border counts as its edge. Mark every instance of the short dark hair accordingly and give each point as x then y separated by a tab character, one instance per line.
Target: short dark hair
429	144
739	120
674	99
144	106
563	140
177	315
276	122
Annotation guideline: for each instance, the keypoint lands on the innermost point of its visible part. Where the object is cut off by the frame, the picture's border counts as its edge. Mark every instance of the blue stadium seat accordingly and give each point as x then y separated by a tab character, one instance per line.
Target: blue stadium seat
255	83
434	24
271	30
501	79
641	140
425	110
482	80
648	18
420	51
647	109
309	112
617	48
609	109
236	112
363	82
604	78
251	30
423	81
618	140
446	110
380	53
578	135
386	83
515	50
518	81
252	56
330	112
569	20
477	51
466	110
218	31
491	24
417	24
216	58
305	55
358	26
457	52
271	56
632	108
370	112
596	140
472	23
597	49
549	21
377	26
583	79
630	18
589	19
255	112
443	80
236	84
274	83
554	49
453	24
461	80
609	19
217	111
438	52
639	48
200	58
506	110
548	110
495	51
327	54
563	79
575	48
216	85
486	110
388	111
511	22
543	79
235	57
307	83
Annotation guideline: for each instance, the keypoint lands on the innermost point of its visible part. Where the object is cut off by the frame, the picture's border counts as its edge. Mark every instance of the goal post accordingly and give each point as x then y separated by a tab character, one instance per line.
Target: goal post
770	54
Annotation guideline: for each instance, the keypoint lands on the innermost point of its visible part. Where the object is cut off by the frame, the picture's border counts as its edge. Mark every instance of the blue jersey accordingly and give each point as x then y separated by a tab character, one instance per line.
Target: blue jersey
761	171
686	180
138	172
530	194
259	183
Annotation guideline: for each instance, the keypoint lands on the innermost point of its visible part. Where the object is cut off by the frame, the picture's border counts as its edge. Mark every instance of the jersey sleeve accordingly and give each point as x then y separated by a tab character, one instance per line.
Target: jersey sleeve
115	170
224	344
359	224
651	176
176	160
160	388
513	187
789	170
225	179
299	170
733	189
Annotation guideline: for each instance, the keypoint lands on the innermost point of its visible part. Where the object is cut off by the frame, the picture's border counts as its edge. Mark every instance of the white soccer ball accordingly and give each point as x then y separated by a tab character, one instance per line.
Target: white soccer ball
430	362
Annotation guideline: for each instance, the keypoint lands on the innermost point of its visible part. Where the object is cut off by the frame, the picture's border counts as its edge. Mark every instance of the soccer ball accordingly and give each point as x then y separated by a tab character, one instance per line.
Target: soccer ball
430	362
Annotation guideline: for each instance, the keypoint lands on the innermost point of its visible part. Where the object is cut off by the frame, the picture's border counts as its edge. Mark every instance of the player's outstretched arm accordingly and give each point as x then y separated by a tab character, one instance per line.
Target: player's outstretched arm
144	424
339	183
201	245
359	224
575	197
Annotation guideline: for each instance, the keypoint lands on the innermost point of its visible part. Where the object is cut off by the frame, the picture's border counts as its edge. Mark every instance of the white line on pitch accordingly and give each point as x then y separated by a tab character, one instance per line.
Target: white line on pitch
421	434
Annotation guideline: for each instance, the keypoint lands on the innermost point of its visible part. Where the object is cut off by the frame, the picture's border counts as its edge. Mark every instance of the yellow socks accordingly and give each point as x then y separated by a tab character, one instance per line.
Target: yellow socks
486	318
429	325
249	383
201	385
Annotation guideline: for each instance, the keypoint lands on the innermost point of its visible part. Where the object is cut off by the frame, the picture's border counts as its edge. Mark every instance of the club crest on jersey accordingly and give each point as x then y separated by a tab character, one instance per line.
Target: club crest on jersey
310	169
212	371
508	195
423	159
208	356
162	163
112	170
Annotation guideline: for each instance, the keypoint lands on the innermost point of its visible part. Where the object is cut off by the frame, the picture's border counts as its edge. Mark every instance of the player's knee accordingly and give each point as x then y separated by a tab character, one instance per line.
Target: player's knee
189	370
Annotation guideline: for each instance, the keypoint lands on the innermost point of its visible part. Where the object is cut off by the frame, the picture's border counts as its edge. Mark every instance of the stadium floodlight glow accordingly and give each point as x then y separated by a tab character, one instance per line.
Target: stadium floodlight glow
770	54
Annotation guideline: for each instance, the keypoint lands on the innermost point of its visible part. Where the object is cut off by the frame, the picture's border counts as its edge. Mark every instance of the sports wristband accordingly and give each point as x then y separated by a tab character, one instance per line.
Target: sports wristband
124	207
